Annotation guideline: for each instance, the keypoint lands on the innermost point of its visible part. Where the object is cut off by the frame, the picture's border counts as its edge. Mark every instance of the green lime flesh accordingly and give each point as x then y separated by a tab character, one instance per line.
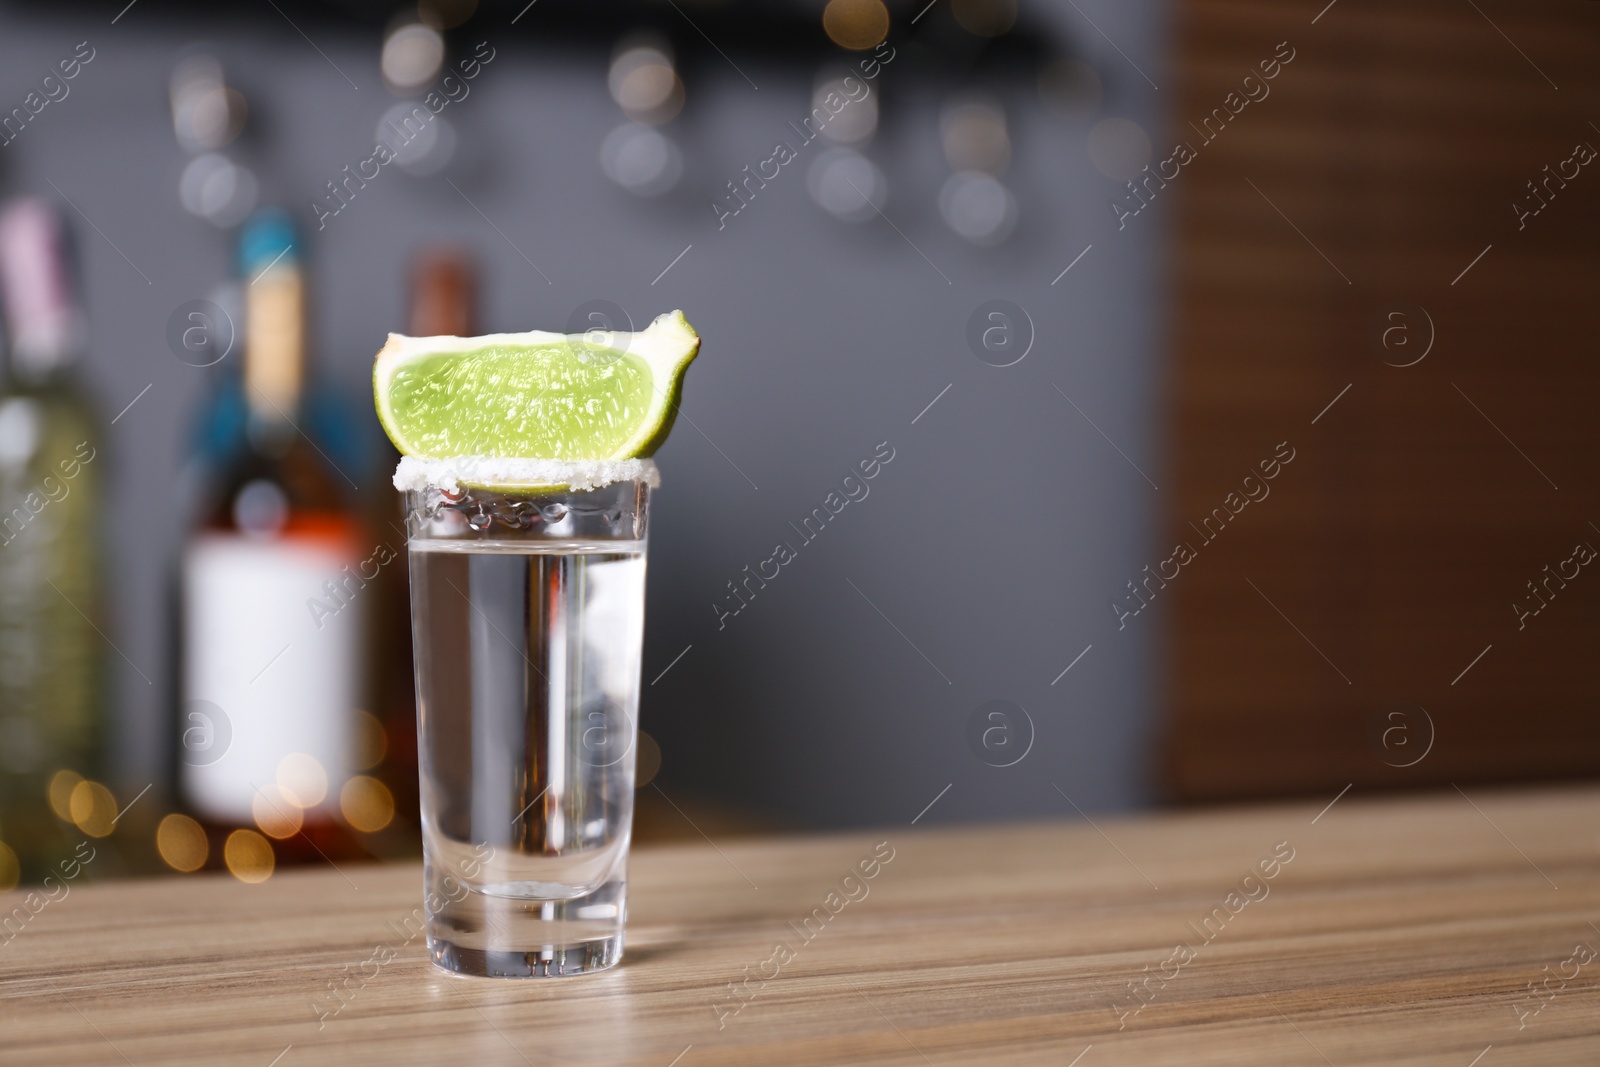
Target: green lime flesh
563	400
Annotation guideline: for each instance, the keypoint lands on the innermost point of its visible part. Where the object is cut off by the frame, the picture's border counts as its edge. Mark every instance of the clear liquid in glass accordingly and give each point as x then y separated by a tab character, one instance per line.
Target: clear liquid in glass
528	690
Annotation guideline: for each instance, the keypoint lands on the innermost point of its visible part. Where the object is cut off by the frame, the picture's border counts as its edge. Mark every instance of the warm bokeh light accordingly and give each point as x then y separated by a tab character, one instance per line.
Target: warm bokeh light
645	84
206	112
275	812
62	783
367	804
974	136
93	809
371	741
650	89
856	24
182	843
10	869
445	14
412	56
986	18
249	856
302	780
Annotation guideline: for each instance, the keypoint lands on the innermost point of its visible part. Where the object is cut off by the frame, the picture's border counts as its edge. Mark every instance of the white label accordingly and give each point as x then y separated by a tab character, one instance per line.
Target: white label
264	675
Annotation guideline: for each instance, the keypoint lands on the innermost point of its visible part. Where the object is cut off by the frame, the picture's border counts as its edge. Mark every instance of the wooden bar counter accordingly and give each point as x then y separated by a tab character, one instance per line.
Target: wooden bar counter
1456	929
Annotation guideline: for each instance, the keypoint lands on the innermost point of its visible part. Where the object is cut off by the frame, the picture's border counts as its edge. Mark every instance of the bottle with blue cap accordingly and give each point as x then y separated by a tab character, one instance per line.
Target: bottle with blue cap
274	342
274	616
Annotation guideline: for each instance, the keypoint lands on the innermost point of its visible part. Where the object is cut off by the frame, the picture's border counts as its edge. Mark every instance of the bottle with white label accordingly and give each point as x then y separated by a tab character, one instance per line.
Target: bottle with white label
274	617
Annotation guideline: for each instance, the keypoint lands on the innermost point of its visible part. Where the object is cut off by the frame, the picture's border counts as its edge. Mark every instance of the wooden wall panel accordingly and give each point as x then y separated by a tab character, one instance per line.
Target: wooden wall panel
1420	503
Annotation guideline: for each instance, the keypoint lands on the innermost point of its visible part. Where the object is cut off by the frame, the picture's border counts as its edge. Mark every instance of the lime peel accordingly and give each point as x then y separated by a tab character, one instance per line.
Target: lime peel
495	472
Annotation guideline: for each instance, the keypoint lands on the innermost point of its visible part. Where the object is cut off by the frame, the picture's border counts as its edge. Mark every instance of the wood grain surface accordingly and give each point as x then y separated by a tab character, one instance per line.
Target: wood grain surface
1395	932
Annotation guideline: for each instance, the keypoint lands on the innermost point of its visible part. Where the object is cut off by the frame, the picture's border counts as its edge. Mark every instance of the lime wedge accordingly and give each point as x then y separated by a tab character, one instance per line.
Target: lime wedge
593	396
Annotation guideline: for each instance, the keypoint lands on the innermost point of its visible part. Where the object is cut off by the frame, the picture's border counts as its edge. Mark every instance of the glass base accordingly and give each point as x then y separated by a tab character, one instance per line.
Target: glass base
549	961
505	929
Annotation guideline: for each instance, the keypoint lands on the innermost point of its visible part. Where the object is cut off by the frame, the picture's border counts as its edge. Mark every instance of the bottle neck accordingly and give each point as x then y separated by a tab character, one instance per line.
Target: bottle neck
442	295
44	323
274	354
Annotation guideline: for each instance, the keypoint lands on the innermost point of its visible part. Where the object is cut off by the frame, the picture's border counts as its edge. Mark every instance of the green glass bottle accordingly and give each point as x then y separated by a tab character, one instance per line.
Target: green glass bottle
52	722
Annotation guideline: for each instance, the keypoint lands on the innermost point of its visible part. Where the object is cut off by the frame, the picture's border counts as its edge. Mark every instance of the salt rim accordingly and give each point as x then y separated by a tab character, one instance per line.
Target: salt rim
415	474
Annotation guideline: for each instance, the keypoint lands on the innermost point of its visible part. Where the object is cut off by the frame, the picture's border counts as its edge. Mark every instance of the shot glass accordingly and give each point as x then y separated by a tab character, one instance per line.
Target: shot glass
527	616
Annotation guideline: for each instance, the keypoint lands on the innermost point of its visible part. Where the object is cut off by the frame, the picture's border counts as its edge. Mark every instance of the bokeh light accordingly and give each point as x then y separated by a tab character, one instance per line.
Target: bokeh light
206	113
412	56
93	808
974	136
367	804
275	812
978	206
847	185
370	743
857	121
249	856
644	83
856	24
1119	148
985	18
62	783
302	781
418	150
182	843
641	159
217	189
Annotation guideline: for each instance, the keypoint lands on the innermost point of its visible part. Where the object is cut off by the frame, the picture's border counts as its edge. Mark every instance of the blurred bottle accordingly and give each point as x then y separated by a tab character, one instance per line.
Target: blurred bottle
52	724
443	293
219	421
275	613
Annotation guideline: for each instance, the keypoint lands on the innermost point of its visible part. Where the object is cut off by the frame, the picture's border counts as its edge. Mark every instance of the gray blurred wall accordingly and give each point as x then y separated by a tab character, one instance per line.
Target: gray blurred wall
980	565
